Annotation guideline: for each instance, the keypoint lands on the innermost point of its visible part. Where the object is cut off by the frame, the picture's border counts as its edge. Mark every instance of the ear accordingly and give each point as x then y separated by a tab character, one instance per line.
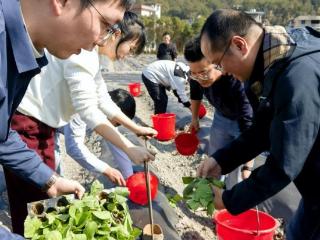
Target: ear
240	44
57	6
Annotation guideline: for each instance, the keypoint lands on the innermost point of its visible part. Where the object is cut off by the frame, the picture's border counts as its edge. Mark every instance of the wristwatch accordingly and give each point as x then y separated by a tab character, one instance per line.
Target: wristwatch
52	180
246	168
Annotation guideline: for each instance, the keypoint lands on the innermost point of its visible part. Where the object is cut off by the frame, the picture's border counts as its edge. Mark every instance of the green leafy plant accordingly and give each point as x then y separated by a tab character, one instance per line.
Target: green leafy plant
198	193
98	215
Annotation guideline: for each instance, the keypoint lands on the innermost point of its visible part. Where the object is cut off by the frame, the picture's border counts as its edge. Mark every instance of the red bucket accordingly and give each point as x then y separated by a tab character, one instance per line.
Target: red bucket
245	225
136	184
165	124
186	143
135	89
202	111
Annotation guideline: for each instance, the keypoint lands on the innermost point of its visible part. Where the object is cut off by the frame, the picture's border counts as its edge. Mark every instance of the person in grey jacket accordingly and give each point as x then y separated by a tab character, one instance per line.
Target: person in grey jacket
281	70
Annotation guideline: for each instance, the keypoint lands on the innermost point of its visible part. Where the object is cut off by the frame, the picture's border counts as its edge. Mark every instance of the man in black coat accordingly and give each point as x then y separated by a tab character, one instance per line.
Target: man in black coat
166	49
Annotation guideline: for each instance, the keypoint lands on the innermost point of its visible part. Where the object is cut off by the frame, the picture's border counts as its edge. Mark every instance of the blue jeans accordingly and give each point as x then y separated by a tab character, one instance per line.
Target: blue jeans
223	131
305	224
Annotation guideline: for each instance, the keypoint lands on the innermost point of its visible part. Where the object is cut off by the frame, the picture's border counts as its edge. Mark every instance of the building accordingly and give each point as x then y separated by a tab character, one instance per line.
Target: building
147	10
302	21
256	15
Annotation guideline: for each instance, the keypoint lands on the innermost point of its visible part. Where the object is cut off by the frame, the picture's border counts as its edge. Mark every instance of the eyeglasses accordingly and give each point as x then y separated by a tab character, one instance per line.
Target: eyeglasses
218	66
202	76
110	30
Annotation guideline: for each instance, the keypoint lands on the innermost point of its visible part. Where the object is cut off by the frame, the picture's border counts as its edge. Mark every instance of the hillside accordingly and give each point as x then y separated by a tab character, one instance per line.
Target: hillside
277	11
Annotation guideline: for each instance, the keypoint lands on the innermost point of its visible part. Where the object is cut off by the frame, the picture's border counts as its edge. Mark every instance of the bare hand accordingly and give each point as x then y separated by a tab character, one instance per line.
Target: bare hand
194	126
114	176
209	168
218	203
140	155
146	131
65	186
245	174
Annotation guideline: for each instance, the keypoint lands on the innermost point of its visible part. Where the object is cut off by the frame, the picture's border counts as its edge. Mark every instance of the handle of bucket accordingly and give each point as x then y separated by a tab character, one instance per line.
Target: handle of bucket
258	221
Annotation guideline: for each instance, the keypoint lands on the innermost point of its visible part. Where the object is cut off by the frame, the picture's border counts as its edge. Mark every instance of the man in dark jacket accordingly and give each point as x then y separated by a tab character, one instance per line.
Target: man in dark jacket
283	74
166	49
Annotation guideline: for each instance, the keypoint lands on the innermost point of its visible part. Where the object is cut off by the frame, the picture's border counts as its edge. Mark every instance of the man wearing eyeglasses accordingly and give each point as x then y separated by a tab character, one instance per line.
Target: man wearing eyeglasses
27	27
233	112
282	70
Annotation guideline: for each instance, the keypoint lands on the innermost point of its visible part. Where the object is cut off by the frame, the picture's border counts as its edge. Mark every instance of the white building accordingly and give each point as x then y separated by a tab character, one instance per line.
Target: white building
147	10
302	21
256	15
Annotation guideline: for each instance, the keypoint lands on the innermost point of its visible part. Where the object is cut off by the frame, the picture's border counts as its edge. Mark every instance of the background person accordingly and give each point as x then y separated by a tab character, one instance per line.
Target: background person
232	110
281	69
163	75
167	50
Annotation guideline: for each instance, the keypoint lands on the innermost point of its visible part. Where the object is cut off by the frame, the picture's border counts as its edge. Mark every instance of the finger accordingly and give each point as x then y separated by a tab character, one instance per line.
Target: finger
79	190
122	181
199	171
151	157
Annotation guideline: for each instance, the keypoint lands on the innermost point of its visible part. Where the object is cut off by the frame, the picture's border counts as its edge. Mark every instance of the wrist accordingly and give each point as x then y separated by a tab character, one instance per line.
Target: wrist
52	180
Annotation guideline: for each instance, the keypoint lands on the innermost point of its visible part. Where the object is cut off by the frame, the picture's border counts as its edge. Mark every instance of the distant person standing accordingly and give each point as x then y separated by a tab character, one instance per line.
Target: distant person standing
166	49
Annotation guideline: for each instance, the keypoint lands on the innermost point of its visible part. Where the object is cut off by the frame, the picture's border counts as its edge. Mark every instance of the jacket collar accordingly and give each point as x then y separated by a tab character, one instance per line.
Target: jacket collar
22	50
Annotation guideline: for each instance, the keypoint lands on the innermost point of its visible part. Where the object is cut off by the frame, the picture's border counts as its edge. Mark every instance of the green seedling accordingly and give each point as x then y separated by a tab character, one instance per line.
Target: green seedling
198	193
96	216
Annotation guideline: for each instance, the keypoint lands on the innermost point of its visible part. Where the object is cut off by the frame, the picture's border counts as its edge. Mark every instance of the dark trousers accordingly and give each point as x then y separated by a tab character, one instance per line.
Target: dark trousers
158	94
305	224
37	136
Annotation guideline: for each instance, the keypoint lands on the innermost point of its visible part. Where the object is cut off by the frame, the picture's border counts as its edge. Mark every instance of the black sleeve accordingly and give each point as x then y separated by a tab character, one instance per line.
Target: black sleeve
245	109
185	104
160	51
196	91
292	132
174	52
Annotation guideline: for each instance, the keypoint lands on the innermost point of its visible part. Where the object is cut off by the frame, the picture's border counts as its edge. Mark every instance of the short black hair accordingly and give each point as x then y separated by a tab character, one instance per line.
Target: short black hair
192	50
165	33
124	101
126	4
132	29
222	24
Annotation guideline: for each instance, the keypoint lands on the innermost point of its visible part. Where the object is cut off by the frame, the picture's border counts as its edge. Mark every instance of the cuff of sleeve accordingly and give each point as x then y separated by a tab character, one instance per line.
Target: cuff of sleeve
229	206
42	175
187	104
223	164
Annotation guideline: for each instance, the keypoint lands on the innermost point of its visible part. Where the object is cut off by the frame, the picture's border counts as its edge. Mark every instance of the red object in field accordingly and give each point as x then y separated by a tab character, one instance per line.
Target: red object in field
245	225
136	184
202	111
187	143
165	124
135	89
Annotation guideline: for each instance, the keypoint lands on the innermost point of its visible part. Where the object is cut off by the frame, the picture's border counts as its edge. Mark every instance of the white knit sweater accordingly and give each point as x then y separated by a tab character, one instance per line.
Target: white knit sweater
66	87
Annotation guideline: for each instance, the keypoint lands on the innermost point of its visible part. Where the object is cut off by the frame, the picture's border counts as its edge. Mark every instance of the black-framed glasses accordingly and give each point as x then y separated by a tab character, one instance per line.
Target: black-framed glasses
218	66
202	76
110	29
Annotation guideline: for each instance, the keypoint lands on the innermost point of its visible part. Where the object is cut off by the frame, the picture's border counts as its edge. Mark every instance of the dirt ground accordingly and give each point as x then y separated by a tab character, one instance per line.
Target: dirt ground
169	165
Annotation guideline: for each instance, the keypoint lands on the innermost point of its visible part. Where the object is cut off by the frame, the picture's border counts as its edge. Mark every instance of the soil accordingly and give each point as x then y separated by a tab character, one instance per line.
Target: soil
169	166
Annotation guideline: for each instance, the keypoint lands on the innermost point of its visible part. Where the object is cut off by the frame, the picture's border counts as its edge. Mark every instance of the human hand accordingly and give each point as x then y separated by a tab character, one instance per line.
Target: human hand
209	168
65	186
114	176
146	131
194	126
245	174
139	155
218	202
